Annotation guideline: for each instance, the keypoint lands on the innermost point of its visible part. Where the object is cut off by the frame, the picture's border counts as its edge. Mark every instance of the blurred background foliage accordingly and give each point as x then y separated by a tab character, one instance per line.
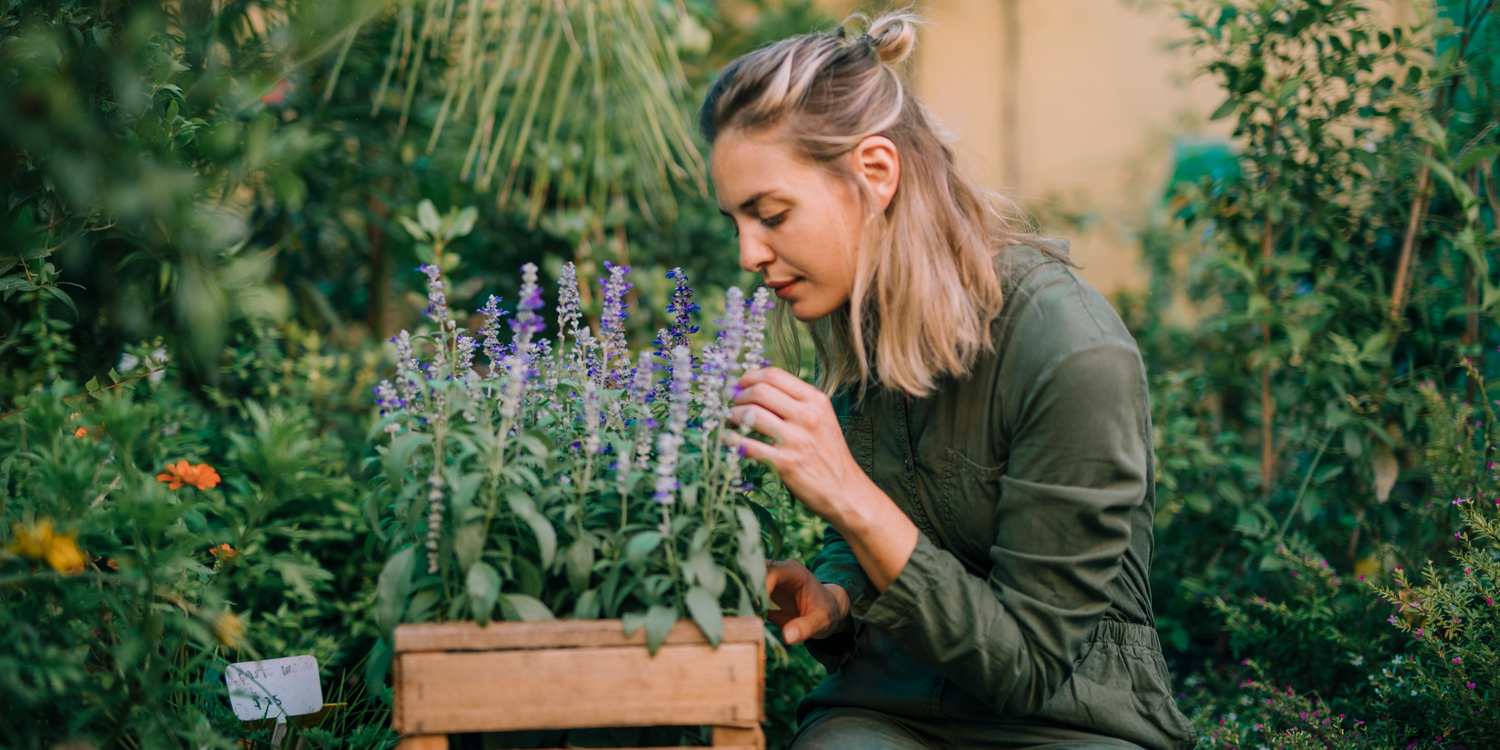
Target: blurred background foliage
202	202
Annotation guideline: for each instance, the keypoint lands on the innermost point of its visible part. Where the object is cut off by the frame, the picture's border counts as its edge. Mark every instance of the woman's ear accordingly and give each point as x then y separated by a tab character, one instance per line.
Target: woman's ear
878	163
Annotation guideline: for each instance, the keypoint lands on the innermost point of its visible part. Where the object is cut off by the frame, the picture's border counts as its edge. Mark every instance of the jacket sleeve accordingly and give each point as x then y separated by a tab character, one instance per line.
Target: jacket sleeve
836	564
1077	466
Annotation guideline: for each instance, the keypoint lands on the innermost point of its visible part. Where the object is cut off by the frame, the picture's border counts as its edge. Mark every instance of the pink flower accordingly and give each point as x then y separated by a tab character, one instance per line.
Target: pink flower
1469	685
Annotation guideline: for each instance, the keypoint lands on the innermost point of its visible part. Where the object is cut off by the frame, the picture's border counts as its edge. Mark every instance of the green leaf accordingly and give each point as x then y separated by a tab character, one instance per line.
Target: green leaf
427	217
709	575
377	665
546	536
587	606
1480	155
412	228
1288	90
752	558
705	609
1226	109
483	588
638	550
392	589
468	544
523	607
528	578
580	565
659	622
62	295
633	621
398	456
768	522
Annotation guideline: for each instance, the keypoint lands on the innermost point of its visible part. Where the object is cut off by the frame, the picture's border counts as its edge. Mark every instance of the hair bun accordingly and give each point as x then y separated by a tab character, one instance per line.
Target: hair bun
894	35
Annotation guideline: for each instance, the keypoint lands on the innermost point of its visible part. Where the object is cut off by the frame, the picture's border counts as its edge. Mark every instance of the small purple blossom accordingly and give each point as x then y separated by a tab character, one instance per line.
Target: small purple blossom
569	303
491	332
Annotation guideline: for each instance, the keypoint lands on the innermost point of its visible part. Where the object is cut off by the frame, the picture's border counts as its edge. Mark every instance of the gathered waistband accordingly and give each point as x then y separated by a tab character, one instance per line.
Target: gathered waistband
1126	634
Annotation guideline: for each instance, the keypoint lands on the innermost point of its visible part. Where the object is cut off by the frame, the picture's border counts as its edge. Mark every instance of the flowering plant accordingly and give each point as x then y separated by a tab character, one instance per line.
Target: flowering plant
566	475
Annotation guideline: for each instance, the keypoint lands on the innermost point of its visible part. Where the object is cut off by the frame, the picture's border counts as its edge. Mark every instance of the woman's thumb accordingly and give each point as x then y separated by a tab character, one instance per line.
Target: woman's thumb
795	631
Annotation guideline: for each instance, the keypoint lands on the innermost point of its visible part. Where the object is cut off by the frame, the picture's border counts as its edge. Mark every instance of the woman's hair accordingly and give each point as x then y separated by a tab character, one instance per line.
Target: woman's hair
926	286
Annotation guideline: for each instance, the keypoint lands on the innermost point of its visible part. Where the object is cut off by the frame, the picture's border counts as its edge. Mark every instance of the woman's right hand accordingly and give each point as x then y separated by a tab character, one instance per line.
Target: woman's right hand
809	607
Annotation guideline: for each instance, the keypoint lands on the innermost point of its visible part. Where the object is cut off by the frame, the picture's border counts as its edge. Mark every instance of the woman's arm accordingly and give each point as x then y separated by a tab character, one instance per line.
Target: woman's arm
810	455
1077	468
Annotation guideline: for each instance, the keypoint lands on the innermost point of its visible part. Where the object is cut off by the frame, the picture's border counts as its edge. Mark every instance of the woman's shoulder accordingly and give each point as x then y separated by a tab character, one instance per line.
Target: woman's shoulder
1050	312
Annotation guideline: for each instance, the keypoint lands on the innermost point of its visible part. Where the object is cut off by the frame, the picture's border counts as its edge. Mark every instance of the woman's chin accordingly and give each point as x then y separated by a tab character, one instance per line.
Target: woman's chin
808	310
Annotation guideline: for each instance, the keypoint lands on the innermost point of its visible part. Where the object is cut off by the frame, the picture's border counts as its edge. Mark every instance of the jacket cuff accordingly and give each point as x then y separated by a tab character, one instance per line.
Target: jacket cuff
890	610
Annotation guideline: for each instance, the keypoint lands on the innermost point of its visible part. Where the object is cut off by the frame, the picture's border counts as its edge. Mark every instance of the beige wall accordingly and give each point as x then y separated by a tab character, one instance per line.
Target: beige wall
1070	108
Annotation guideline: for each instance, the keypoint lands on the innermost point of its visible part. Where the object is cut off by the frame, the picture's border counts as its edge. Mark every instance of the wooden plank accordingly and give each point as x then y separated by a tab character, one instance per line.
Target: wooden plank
743	736
500	691
468	636
424	742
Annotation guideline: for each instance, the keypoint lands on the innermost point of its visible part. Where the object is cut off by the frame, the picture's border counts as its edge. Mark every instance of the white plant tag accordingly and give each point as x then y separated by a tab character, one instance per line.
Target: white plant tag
274	688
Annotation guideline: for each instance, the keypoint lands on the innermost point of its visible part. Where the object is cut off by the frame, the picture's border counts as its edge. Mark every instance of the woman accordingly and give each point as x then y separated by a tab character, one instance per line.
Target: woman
985	460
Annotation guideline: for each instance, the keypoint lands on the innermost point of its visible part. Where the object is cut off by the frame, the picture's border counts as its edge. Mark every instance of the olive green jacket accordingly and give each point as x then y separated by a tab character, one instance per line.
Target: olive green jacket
1031	483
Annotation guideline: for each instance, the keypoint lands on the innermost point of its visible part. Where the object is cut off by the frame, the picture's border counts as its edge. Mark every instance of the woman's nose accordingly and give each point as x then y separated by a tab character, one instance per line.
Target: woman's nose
754	254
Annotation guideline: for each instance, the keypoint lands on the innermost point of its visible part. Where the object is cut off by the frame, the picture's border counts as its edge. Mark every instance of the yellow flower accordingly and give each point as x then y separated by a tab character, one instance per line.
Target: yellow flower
40	542
229	629
201	476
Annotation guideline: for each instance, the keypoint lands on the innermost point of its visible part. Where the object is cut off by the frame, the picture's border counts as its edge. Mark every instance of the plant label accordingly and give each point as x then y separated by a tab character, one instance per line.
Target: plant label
274	688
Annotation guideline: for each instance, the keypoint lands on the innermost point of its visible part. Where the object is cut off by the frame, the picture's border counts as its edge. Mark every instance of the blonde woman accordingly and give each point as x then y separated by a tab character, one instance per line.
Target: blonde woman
979	439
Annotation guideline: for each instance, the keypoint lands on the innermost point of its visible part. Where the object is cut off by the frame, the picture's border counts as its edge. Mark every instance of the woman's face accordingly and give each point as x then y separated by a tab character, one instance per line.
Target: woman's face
798	224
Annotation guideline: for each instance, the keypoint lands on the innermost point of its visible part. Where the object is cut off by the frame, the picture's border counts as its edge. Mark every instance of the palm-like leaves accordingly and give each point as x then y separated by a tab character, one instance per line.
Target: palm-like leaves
583	98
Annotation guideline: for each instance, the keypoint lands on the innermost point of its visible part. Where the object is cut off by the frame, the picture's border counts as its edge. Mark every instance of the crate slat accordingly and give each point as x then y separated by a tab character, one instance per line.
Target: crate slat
468	636
531	687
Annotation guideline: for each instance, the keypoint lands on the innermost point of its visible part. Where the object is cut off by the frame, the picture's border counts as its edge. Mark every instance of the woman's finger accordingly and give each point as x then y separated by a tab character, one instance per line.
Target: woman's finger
763	421
792	385
752	449
772	398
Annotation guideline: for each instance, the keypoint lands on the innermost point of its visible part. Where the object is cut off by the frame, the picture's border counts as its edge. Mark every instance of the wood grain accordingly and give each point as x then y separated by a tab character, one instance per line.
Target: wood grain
744	736
468	636
498	691
424	742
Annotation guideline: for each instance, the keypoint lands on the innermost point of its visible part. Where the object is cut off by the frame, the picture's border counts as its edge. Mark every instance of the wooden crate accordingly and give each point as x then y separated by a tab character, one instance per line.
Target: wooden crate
568	674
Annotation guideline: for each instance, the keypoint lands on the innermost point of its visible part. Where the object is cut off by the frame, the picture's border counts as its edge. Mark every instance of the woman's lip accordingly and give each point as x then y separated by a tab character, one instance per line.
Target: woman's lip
784	289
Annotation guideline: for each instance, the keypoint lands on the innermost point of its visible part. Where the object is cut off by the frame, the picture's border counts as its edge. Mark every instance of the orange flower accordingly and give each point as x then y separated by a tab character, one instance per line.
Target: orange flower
201	476
97	429
81	432
223	552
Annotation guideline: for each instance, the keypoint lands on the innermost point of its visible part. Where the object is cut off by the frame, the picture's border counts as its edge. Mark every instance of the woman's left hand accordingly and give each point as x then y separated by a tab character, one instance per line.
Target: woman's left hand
807	447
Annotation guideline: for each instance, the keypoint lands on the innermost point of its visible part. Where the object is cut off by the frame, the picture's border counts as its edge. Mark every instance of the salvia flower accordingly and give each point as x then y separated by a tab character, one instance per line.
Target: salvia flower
591	417
437	296
569	304
681	308
491	332
761	305
670	439
612	320
525	324
434	521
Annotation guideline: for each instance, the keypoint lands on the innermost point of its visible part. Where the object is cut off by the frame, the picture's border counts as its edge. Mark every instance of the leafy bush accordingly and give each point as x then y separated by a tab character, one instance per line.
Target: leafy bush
151	539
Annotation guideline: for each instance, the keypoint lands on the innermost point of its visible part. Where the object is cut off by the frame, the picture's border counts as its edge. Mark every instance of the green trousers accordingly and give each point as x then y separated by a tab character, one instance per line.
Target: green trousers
842	728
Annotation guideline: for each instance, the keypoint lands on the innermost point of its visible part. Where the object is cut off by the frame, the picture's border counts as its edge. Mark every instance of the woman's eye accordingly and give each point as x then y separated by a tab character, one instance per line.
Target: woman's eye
771	222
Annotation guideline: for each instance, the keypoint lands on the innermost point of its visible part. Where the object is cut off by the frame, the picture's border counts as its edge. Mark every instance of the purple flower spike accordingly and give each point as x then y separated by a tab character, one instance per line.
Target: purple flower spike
491	332
670	440
755	330
437	297
682	308
569	304
612	322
